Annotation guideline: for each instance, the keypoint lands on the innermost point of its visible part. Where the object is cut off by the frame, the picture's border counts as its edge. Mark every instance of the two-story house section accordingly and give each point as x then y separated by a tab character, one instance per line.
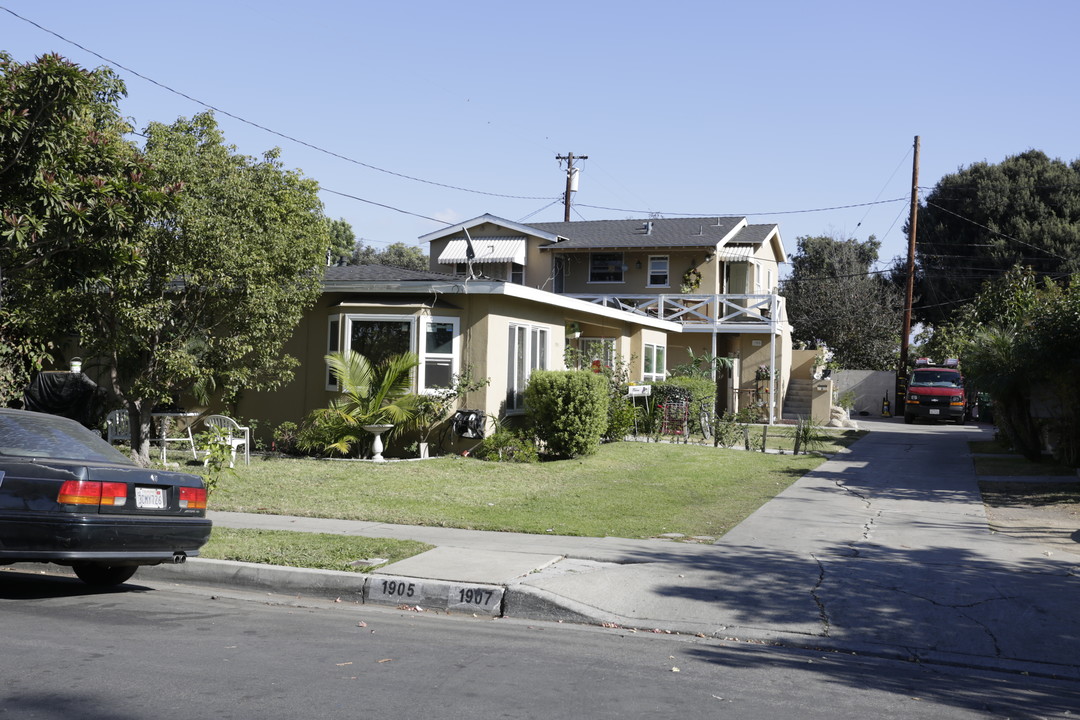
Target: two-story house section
716	277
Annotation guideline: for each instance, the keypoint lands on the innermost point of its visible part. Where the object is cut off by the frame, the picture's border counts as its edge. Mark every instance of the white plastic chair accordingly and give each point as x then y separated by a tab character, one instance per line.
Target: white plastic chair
118	426
237	435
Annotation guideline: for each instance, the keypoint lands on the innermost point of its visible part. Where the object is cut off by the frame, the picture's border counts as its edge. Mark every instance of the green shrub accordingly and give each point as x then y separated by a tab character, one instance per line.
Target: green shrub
568	410
506	445
285	438
728	431
621	415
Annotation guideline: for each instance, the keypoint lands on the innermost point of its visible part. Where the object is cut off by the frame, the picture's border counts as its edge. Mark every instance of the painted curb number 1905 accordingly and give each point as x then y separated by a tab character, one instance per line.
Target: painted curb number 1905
398	588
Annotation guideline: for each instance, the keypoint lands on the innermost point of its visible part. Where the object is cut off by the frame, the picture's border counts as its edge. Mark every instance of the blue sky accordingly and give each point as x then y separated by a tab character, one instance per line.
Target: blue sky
763	109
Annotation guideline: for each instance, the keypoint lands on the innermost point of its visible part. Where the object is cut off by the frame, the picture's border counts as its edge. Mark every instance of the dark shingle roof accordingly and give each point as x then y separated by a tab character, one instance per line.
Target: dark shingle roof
380	273
659	233
753	235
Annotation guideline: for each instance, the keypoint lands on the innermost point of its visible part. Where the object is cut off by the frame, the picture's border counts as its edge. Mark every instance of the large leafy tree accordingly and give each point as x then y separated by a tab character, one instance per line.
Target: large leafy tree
984	219
1019	342
834	296
395	255
224	278
74	196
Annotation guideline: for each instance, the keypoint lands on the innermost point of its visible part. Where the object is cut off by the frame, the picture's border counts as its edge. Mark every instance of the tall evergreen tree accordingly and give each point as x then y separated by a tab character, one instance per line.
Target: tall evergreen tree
834	296
981	221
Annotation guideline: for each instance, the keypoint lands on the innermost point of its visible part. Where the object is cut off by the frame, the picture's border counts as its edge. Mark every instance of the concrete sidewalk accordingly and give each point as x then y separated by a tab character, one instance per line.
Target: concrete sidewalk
882	550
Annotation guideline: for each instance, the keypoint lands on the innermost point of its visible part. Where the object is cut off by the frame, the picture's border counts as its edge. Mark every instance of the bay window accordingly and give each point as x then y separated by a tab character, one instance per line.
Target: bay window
380	337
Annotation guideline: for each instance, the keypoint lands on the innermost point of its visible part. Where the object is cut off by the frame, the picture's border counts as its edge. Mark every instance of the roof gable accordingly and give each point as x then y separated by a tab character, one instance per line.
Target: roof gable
515	227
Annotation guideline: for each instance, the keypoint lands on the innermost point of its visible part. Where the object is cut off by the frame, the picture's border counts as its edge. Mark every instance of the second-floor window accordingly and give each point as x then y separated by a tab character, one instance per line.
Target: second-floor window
606	267
658	271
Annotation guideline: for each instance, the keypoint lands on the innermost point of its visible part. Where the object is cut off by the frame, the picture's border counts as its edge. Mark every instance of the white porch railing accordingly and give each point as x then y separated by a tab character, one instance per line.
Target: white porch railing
713	312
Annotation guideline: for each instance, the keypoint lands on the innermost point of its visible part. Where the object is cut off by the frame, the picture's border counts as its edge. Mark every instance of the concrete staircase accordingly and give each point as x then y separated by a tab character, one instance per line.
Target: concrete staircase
797	399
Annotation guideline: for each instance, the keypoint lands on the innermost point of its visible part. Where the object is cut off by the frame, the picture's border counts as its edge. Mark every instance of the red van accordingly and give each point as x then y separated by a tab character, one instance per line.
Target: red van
936	392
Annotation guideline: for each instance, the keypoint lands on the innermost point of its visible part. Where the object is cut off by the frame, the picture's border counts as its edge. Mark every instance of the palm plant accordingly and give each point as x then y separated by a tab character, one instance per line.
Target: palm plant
370	395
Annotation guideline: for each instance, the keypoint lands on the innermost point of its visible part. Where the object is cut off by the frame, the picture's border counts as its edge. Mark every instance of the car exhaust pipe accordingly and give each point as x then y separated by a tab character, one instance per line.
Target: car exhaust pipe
179	558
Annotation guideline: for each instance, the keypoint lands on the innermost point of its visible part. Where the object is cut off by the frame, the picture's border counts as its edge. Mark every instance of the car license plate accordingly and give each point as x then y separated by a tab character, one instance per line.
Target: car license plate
935	411
149	497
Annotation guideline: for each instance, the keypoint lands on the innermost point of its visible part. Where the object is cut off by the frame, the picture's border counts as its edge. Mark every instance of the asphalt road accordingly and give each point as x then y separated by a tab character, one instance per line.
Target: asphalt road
162	651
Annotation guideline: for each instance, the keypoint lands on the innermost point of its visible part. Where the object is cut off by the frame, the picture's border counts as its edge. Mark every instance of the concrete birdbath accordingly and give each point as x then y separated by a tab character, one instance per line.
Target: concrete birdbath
377	444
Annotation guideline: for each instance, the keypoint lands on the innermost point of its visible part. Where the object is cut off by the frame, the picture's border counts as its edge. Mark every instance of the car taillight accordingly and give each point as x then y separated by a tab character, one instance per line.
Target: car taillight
113	493
193	498
79	492
88	492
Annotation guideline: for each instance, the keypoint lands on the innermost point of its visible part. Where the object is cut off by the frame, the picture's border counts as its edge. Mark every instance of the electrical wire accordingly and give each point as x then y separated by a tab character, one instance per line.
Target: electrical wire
749	214
881	192
537	212
384	205
266	129
995	232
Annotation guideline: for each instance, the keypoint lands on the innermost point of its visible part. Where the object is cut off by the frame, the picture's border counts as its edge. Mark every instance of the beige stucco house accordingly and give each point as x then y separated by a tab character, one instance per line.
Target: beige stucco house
715	277
498	330
504	298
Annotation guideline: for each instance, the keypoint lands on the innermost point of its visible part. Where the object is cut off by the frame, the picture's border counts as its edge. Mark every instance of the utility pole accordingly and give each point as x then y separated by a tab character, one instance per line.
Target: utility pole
571	180
909	291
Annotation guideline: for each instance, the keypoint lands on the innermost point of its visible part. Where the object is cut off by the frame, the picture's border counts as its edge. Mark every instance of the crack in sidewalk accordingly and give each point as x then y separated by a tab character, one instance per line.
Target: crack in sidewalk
822	612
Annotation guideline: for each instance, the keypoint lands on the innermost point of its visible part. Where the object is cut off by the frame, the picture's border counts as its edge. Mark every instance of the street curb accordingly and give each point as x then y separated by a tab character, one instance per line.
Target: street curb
374	589
521	602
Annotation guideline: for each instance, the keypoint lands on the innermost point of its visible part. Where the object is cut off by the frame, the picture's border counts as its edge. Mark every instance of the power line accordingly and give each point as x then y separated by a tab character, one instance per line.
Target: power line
384	205
994	232
276	133
745	214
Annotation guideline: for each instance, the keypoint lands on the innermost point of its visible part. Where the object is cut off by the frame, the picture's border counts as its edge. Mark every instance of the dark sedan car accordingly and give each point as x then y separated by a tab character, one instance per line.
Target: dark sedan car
68	497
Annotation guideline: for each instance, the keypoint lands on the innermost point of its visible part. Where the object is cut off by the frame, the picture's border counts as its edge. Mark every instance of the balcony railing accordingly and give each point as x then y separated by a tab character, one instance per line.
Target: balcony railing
714	312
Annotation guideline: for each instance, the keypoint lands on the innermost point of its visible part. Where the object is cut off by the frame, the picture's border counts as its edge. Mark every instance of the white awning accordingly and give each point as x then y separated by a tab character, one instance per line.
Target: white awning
735	253
487	249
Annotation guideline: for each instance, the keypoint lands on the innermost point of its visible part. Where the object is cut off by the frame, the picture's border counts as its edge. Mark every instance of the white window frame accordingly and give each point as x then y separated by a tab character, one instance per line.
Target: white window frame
364	317
454	356
620	264
608	354
516	273
650	354
534	342
333	343
666	260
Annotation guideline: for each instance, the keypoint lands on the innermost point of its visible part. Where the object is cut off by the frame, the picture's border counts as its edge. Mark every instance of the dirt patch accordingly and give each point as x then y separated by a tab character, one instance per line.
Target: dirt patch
1044	512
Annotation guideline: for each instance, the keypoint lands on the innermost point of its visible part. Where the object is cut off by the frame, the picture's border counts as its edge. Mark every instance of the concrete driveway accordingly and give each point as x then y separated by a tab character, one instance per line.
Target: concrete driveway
884	549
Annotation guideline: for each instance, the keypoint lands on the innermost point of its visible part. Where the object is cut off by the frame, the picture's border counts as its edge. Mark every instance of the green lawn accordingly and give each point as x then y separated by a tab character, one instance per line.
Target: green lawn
627	489
308	550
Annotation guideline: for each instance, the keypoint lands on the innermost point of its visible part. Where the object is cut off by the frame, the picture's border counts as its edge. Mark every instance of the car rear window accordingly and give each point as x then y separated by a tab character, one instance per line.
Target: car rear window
25	434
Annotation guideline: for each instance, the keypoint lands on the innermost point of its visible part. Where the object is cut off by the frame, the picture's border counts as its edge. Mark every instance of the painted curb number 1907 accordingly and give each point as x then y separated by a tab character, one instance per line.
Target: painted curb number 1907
475	596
